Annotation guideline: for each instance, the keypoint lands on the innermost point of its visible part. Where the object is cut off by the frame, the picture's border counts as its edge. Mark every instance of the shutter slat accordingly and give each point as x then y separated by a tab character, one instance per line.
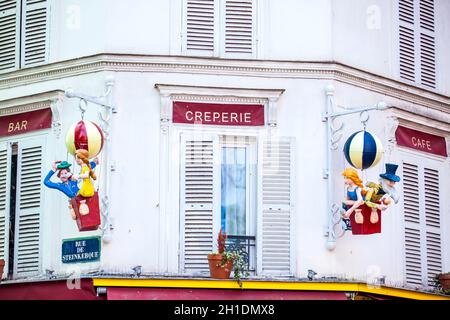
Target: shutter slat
407	58
200	25
411	207
34	26
427	60
276	201
427	14
5	168
9	25
29	204
198	203
239	26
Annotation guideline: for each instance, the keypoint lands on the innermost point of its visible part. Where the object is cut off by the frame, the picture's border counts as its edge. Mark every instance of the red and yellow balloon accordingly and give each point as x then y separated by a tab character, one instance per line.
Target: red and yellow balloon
85	135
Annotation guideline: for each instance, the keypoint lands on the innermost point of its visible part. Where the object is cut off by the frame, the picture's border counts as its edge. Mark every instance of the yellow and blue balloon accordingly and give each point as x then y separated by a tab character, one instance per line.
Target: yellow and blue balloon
363	150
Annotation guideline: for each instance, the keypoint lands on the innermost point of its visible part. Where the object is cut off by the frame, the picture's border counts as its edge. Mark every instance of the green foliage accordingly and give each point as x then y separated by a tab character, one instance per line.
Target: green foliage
437	284
239	265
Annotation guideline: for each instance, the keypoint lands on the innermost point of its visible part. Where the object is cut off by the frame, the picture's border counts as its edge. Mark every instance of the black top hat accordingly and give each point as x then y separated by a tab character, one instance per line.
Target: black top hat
390	172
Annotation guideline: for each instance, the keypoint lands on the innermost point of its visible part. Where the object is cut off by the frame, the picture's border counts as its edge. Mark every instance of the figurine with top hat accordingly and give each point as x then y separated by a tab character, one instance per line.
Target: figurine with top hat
382	194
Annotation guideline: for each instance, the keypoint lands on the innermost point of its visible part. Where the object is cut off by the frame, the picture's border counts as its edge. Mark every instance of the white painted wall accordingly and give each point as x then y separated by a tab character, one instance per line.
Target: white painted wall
359	33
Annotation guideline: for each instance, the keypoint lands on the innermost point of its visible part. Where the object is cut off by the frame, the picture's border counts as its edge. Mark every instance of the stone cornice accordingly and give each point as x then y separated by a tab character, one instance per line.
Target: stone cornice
255	68
30	103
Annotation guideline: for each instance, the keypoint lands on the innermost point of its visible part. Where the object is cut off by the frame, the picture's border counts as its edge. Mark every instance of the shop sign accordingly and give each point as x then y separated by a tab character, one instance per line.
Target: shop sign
81	250
421	141
218	114
25	122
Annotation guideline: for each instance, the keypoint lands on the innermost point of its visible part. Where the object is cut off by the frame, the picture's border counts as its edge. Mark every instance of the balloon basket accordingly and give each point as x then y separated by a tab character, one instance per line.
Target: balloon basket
90	221
367	226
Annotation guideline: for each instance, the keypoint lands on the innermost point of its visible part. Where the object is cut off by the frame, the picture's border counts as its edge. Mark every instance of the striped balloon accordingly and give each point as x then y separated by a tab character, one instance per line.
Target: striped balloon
85	135
363	150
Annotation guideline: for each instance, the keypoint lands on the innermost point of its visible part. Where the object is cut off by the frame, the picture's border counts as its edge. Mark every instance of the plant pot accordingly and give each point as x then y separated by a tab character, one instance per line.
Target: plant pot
444	279
215	267
2	266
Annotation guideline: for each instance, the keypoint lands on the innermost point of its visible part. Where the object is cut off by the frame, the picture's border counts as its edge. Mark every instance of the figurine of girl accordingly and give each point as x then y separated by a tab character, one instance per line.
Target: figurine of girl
354	197
87	188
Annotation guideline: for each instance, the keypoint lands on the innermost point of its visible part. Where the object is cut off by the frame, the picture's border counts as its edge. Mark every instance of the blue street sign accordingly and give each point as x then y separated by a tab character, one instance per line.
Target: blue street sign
81	250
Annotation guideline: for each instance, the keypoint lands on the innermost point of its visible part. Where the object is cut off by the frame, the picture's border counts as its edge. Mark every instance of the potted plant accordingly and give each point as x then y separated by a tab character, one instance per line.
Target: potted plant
444	280
223	262
2	266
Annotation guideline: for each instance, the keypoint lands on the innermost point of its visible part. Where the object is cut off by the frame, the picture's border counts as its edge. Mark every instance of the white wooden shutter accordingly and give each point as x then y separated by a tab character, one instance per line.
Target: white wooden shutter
198	200
417	41
407	40
277	207
427	44
9	34
34	40
423	256
5	170
29	207
432	221
200	26
411	208
239	27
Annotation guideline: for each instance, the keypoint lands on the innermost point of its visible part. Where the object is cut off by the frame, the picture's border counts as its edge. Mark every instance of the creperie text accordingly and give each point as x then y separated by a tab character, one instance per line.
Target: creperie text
223	117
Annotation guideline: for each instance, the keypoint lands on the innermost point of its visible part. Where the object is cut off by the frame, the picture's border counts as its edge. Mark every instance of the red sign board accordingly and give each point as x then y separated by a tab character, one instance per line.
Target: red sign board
421	141
218	114
25	122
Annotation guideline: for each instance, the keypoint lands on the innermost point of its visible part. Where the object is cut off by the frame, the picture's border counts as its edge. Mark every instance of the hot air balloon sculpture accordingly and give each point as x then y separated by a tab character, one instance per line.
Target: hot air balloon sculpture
363	150
85	140
85	135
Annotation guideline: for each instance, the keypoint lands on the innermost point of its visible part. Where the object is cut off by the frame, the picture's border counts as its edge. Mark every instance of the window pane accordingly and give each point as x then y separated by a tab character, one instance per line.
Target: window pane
233	190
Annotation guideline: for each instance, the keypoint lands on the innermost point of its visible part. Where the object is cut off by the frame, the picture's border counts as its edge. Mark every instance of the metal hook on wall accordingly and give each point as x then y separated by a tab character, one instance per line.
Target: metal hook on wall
82	105
364	117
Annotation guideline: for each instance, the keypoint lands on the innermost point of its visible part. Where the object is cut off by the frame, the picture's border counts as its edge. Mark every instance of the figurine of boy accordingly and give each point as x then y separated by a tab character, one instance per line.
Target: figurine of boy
68	186
381	195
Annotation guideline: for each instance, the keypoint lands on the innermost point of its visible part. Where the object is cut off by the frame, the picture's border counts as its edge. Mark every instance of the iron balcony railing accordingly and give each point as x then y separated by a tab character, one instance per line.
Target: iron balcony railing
246	246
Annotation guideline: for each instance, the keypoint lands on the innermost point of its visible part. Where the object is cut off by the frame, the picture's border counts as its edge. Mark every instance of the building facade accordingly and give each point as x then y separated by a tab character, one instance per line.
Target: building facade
218	123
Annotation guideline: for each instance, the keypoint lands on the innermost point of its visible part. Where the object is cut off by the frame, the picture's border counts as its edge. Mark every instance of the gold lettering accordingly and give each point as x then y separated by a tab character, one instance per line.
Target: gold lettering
11	127
428	145
24	125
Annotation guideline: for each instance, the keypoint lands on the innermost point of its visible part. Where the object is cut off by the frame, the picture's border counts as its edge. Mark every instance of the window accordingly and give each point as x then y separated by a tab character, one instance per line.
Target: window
223	28
422	222
23	33
20	206
244	187
238	195
417	42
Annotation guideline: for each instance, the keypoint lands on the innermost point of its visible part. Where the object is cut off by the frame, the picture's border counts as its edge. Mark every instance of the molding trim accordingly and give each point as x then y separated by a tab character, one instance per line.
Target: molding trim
255	68
173	92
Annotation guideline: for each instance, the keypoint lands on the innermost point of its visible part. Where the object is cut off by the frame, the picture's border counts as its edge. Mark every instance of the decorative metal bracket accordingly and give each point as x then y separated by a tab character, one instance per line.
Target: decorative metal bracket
107	108
333	136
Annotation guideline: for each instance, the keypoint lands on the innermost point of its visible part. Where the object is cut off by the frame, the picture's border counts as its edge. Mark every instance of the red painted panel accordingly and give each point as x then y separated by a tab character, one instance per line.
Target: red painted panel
120	293
421	141
49	290
25	122
218	114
